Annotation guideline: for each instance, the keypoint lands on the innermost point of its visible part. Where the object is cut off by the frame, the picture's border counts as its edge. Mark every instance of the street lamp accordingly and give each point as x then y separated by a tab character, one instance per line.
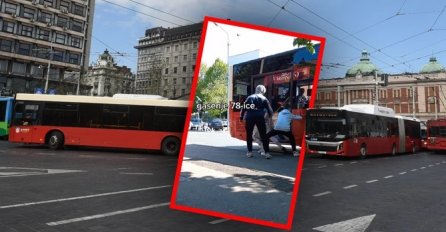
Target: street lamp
49	65
227	62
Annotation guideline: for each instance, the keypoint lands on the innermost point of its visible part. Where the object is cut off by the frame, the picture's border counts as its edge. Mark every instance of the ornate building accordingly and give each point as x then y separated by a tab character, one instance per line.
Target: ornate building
166	61
41	40
421	95
107	78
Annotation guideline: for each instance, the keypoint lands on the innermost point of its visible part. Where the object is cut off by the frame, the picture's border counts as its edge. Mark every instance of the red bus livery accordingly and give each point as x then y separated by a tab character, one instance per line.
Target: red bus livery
436	134
58	120
360	130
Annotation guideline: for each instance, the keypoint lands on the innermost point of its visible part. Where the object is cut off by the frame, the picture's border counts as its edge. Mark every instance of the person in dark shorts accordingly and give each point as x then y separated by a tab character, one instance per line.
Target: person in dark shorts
253	112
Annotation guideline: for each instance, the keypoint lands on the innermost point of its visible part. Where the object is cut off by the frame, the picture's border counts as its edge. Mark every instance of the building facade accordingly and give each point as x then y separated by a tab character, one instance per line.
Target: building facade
421	95
42	40
107	78
166	61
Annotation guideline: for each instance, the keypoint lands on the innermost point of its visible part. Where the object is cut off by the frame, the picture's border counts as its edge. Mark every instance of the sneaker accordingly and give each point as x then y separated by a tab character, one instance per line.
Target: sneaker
249	154
260	151
295	153
266	155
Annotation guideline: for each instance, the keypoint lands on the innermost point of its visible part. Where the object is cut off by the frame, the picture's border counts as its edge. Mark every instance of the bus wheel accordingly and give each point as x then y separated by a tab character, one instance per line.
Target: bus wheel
170	146
363	151
55	140
393	149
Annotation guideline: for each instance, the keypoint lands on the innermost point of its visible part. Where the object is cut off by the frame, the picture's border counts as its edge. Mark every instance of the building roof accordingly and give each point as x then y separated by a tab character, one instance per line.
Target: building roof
365	67
432	67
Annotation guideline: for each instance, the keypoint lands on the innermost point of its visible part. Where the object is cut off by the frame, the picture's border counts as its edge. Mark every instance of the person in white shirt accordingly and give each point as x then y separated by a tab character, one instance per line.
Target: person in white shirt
283	126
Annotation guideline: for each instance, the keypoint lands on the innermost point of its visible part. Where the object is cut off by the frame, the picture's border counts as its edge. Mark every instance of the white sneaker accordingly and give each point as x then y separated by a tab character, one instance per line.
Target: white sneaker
249	154
295	153
266	155
260	151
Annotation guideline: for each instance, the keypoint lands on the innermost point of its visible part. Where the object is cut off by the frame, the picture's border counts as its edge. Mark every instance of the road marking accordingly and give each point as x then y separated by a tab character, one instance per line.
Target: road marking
354	162
443	162
387	177
371	181
91	217
136	173
322	194
323	166
414	170
422	167
124	168
350	186
218	221
83	197
338	164
402	173
430	165
359	224
437	163
21	171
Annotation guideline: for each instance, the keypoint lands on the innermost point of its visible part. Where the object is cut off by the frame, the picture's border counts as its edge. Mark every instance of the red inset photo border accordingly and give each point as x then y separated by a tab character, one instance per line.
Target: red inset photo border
173	204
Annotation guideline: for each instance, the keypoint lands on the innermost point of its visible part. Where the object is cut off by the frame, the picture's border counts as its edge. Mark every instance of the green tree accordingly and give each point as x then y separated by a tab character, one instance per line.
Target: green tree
299	42
211	87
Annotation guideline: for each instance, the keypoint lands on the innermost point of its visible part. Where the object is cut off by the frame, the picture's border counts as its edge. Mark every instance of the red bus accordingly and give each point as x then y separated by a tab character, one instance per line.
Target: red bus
58	120
285	76
360	130
436	134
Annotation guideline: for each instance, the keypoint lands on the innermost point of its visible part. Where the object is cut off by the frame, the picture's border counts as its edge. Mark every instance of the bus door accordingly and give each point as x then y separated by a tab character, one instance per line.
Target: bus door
25	120
401	135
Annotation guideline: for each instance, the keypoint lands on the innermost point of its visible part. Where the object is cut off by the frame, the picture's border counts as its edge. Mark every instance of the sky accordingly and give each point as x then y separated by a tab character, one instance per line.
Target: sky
400	35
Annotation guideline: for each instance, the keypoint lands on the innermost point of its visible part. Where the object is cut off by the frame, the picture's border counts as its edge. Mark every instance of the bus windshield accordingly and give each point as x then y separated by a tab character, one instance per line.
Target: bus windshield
438	131
327	129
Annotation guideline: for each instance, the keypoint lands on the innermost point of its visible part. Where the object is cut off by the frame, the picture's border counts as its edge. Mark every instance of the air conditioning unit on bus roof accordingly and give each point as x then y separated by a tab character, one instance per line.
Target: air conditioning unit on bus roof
370	109
138	96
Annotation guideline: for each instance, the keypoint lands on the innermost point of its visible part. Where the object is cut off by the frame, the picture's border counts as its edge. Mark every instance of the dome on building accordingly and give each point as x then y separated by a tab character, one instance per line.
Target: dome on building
432	67
363	68
105	59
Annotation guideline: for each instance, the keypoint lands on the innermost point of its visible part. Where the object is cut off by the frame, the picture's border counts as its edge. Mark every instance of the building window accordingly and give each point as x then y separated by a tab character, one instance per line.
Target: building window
29	13
64	6
76	42
175	59
175	70
24	49
185	46
10	8
166	71
165	93
176	47
193	68
76	26
167	59
45	17
27	31
58	56
60	38
194	56
48	3
184	57
44	35
184	68
165	81
73	58
62	22
184	80
183	92
5	45
8	27
168	49
174	81
195	44
78	10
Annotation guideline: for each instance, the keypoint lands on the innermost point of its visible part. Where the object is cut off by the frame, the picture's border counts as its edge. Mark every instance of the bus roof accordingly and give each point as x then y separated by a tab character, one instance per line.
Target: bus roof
139	96
369	109
100	100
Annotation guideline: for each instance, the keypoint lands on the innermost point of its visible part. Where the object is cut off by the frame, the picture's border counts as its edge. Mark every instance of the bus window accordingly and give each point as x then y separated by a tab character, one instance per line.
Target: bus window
61	114
3	105
26	114
90	115
115	116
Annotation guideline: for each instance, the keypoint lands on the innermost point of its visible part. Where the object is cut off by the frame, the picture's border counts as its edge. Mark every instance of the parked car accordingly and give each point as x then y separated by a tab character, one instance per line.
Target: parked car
225	123
196	124
216	124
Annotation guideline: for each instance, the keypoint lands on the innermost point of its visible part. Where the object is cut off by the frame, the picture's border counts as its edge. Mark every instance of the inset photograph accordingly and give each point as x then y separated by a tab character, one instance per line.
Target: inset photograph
242	157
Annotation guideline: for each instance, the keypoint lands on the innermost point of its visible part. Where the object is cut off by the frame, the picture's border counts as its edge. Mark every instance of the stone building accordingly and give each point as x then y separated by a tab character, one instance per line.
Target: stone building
42	40
421	95
166	61
107	78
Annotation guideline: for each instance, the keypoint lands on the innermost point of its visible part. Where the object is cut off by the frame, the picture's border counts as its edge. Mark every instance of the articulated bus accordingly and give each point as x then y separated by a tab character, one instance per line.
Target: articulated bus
285	76
5	114
360	130
58	120
436	134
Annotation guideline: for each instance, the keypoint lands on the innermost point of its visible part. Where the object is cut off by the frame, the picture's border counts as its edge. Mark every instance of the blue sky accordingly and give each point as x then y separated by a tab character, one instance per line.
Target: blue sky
400	35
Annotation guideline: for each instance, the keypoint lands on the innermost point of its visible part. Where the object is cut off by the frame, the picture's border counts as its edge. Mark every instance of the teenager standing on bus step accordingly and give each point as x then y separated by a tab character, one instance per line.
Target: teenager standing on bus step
283	126
253	112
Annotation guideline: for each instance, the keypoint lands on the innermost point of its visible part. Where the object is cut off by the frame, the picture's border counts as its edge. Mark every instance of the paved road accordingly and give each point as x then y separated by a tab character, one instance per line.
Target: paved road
216	175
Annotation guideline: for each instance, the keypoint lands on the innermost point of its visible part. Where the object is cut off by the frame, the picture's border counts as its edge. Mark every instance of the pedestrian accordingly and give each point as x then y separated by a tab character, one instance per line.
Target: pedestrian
269	126
253	111
283	126
302	100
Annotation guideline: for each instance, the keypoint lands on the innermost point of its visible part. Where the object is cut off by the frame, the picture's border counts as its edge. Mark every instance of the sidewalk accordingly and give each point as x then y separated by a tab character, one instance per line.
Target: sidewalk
216	175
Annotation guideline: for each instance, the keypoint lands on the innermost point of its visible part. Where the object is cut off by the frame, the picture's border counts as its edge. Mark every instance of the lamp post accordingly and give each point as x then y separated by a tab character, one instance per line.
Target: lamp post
49	65
227	64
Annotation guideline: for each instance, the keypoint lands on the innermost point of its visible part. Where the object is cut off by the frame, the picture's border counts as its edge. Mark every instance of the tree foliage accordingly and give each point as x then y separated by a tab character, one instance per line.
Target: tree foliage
212	87
299	42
